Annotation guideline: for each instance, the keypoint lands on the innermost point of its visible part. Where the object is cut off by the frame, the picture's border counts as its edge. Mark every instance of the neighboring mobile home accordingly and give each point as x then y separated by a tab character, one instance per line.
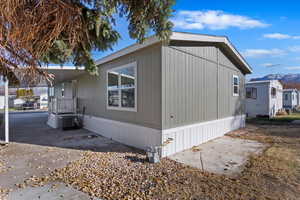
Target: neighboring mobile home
263	98
175	95
290	98
298	97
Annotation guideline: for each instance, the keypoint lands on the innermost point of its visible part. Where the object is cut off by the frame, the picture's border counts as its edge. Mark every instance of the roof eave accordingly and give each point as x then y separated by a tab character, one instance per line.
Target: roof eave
180	37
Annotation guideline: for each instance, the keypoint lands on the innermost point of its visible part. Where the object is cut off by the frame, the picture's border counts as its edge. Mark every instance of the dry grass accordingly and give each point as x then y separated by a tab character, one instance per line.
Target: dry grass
275	174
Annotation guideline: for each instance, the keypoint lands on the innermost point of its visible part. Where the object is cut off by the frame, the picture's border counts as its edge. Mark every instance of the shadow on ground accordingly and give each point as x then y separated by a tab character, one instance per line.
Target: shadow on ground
31	128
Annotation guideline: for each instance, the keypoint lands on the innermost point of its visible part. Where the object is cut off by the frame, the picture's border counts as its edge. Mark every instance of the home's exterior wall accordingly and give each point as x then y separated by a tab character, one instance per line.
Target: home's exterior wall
298	97
197	86
260	105
264	104
92	90
290	102
197	96
275	103
1	102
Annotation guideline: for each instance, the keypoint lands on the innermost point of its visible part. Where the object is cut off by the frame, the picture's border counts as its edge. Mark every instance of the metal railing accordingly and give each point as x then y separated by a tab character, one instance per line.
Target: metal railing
62	105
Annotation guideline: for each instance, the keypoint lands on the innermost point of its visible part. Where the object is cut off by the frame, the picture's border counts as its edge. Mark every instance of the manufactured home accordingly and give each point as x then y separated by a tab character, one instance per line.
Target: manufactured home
298	97
263	98
290	98
171	95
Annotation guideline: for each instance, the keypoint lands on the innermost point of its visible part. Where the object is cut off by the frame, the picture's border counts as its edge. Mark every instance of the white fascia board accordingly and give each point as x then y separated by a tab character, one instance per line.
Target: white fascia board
61	68
196	37
210	38
128	50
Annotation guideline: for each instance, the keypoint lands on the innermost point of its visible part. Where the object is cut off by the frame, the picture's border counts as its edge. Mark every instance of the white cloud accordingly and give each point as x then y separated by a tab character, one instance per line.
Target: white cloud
283	18
214	19
294	48
255	53
293	68
270	65
280	36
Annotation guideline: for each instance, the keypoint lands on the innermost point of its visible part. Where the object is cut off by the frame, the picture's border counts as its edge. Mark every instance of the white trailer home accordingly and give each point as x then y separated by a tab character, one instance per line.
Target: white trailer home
298	97
290	98
263	98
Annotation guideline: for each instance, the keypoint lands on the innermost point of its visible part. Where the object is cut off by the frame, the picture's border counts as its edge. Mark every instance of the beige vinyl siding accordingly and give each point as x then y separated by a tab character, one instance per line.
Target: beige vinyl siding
92	90
197	85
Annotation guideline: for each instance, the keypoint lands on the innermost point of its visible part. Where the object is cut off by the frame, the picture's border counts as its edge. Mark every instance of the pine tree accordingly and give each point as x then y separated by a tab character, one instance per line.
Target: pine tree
34	32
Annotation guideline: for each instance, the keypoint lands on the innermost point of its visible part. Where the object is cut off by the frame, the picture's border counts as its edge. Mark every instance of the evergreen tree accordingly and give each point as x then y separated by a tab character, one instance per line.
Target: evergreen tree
33	32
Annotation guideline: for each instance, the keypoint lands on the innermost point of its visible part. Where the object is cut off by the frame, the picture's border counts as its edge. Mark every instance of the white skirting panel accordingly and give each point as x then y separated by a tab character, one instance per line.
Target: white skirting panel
126	133
182	138
185	137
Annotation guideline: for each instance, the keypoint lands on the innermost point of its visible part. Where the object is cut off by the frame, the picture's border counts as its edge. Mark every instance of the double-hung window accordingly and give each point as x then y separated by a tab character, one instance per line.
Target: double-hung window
251	93
122	88
236	85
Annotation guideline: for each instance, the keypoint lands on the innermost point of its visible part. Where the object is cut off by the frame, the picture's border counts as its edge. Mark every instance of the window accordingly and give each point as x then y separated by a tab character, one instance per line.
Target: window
236	83
273	92
62	89
121	88
286	97
51	91
251	93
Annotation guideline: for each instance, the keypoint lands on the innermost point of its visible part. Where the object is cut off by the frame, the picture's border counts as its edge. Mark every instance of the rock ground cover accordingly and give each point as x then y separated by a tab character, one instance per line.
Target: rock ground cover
274	174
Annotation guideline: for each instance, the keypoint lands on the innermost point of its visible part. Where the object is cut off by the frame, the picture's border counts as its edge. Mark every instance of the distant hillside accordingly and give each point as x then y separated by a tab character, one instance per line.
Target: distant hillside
288	80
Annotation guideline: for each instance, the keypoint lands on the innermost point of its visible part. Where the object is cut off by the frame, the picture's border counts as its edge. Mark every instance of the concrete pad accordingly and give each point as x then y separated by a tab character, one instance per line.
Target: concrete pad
224	155
36	150
53	191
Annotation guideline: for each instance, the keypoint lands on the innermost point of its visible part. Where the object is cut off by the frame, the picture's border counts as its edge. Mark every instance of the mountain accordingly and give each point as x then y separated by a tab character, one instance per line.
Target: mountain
288	80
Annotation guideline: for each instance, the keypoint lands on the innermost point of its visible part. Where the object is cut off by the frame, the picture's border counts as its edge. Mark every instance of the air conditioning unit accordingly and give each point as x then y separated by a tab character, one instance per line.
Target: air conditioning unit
66	122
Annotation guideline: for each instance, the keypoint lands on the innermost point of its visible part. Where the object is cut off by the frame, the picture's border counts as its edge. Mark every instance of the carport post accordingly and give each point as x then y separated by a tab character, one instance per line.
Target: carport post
6	110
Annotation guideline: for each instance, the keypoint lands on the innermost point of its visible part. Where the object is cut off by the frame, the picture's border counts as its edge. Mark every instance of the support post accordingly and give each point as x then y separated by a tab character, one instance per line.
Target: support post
6	110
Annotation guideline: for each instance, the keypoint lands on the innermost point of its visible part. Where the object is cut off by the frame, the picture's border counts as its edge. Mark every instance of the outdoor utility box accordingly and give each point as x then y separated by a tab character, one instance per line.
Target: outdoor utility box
153	154
67	122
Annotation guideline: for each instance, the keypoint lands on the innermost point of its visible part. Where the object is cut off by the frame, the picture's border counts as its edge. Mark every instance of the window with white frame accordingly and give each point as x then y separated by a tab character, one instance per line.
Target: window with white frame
236	85
251	93
121	88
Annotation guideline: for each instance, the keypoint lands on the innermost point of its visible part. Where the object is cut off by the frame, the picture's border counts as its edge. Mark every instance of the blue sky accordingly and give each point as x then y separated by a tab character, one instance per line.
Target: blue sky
266	32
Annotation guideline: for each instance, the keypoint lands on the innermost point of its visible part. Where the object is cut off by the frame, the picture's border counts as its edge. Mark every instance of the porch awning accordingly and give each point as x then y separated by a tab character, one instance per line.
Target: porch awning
62	74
